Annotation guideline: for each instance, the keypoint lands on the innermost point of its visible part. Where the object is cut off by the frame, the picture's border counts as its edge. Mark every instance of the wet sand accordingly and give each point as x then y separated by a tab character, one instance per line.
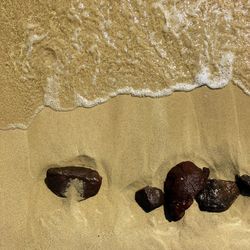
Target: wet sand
135	141
65	54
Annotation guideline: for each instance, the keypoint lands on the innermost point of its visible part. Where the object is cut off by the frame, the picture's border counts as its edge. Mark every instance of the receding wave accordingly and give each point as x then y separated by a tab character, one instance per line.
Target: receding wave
82	53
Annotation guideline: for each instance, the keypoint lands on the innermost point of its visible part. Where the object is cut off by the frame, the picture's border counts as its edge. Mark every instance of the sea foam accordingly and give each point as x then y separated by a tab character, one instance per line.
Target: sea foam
63	65
203	78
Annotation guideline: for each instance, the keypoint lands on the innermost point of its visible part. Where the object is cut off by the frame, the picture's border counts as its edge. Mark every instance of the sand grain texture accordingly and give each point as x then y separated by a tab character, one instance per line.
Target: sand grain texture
135	141
67	54
57	56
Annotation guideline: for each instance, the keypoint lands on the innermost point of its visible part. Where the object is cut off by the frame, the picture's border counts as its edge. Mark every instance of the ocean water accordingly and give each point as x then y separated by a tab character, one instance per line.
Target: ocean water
81	53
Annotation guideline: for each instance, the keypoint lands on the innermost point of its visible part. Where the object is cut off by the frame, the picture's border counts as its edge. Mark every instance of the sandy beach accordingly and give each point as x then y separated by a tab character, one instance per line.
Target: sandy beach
138	86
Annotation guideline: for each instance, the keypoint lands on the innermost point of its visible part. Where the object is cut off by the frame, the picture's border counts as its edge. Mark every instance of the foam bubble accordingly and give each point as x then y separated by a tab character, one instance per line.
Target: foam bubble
51	95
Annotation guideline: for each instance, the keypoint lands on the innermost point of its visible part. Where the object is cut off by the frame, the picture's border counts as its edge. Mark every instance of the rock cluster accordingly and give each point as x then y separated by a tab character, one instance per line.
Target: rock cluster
185	183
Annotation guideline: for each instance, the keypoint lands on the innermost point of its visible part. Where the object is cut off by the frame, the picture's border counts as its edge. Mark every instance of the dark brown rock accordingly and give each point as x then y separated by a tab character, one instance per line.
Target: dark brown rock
243	183
182	184
149	198
59	179
217	196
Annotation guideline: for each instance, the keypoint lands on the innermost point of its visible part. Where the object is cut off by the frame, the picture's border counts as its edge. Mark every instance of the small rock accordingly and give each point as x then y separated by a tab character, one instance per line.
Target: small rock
86	181
182	184
217	196
149	198
243	183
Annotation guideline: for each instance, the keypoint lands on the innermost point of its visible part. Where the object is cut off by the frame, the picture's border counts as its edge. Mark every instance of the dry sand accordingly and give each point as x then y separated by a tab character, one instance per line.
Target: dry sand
135	141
